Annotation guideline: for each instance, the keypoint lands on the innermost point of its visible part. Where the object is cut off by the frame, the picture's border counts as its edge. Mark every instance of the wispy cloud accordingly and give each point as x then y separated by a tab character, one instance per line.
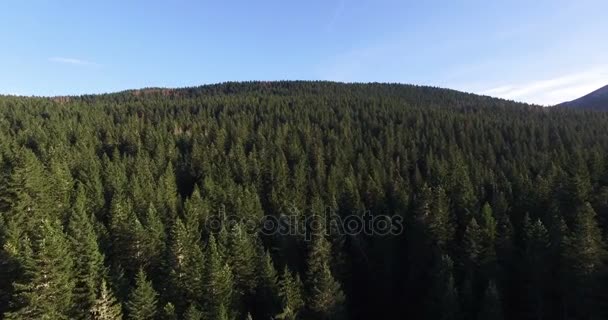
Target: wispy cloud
554	90
72	61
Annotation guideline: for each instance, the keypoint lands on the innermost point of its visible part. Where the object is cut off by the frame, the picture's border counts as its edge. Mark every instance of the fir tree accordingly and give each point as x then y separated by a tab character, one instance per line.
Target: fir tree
290	292
88	261
186	265
325	297
45	292
217	281
168	312
143	302
193	313
106	307
442	303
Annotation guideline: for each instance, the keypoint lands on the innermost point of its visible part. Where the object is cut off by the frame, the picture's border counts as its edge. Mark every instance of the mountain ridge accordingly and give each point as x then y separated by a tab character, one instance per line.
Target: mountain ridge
596	100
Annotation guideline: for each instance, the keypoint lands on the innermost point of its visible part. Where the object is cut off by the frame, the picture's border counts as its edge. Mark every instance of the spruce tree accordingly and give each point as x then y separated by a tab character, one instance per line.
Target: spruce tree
193	313
168	312
584	256
45	291
442	302
217	281
267	302
143	301
290	292
186	265
106	307
325	297
241	258
88	261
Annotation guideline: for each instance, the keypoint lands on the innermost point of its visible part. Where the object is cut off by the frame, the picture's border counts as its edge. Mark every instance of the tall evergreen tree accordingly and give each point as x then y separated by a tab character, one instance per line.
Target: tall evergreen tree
217	282
584	256
88	260
291	294
143	301
442	303
45	291
106	307
325	297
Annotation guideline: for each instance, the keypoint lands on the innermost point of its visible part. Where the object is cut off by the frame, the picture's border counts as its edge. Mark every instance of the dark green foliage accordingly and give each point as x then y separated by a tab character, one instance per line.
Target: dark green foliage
218	280
88	261
106	307
291	292
324	293
143	301
45	290
504	205
193	313
491	307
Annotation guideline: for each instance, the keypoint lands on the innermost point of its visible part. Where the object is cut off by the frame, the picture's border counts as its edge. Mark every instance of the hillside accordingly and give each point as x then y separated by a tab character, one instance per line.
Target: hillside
596	100
301	200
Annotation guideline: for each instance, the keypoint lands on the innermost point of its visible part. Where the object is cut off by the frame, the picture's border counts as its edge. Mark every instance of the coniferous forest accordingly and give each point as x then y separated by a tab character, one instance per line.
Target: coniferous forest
149	204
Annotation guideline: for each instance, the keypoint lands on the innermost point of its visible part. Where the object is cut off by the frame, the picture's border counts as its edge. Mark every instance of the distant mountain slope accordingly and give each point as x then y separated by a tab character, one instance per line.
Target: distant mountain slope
596	100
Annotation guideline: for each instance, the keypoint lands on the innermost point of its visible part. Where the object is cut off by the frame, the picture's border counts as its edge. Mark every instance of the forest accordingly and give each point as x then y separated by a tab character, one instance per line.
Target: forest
152	204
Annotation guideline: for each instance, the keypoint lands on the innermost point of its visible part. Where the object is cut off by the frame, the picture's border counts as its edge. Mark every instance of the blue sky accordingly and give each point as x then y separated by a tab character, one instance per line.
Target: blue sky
539	51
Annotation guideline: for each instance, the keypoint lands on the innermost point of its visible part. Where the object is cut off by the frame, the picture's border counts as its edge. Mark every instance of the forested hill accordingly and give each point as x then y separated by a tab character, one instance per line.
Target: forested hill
152	203
596	100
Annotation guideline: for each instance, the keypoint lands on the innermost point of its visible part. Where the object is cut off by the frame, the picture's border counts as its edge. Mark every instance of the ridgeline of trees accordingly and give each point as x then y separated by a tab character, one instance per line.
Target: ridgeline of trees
104	201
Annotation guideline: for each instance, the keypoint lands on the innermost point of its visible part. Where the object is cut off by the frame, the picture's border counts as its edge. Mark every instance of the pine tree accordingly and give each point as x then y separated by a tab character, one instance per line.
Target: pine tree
88	261
584	256
217	281
290	292
325	297
24	198
166	199
241	259
143	302
45	292
186	265
193	313
472	248
487	242
169	312
106	307
442	303
535	266
267	302
441	224
61	185
152	239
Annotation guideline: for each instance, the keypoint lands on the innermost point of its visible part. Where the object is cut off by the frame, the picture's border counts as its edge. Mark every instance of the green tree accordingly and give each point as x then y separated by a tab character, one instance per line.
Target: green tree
88	260
241	258
584	256
217	281
45	291
143	302
325	297
291	294
267	301
193	313
442	303
169	312
186	265
106	307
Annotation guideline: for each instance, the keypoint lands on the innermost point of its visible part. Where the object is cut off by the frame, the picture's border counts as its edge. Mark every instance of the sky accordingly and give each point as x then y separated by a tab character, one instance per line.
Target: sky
536	51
